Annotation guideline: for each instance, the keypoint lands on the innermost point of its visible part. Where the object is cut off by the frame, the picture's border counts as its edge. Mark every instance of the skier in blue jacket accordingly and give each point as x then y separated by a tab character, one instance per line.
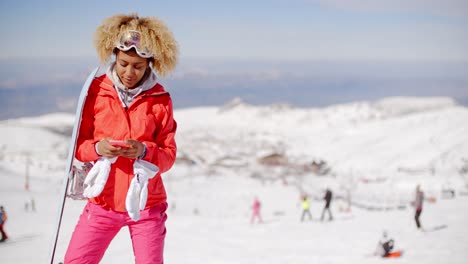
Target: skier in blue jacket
3	218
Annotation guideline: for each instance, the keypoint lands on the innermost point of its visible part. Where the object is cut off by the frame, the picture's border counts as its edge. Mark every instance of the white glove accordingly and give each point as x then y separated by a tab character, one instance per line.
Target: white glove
138	191
97	177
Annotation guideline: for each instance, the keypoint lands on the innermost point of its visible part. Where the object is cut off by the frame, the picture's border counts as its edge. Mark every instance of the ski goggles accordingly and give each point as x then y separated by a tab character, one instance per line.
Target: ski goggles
132	39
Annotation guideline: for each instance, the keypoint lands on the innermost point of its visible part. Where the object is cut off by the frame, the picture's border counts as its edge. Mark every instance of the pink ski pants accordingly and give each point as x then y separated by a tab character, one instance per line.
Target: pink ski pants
97	227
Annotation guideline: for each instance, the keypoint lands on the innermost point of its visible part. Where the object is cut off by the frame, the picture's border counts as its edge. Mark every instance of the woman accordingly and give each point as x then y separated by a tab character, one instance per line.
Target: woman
127	104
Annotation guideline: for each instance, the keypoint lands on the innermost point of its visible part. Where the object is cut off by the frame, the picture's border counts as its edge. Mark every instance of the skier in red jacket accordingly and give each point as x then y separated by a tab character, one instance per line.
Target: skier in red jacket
127	104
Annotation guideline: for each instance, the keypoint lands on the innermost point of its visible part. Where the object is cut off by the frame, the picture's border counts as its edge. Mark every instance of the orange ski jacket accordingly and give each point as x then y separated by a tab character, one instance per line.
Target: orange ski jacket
148	119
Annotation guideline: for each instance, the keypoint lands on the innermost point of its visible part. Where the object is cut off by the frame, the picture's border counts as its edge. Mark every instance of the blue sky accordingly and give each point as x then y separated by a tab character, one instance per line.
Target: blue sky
411	30
302	52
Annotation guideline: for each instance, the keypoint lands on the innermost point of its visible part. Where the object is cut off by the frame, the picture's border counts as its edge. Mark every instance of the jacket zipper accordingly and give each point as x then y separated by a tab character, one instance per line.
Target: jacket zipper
129	127
127	117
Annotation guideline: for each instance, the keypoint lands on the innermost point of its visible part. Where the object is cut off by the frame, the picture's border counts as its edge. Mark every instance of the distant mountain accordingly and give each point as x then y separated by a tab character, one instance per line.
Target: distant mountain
392	144
45	86
39	99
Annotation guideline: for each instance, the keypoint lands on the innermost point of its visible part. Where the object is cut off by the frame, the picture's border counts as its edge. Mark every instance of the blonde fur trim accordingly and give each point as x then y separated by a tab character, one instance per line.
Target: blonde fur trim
155	35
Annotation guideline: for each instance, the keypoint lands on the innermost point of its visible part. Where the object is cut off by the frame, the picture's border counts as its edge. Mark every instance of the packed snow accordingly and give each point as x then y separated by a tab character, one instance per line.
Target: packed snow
372	154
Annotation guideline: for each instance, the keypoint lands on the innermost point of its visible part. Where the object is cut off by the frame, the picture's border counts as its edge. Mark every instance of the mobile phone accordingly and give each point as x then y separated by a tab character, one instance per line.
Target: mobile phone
119	143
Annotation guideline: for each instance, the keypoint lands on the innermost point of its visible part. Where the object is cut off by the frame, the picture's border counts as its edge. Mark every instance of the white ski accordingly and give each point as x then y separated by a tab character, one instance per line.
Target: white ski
70	159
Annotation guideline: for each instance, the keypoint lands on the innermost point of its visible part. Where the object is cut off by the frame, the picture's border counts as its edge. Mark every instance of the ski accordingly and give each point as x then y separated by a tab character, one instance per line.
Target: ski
434	228
70	159
21	238
394	254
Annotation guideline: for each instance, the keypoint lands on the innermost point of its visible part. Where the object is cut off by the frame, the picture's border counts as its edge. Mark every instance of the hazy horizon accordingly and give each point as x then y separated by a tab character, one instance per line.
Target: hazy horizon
37	86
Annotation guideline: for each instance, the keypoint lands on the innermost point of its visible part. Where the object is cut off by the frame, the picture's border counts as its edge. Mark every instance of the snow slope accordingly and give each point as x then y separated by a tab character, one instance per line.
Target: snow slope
378	151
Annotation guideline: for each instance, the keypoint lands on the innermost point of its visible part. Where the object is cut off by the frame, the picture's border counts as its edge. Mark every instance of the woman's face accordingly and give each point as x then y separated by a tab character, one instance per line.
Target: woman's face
130	67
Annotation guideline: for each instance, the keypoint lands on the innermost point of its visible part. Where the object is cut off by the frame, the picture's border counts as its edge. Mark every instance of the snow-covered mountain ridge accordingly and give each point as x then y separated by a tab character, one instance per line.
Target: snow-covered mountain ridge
364	140
391	107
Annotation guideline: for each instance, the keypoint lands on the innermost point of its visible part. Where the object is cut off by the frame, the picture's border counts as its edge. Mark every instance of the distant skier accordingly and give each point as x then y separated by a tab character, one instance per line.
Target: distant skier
3	218
385	246
256	206
328	198
33	204
348	200
305	204
418	205
30	203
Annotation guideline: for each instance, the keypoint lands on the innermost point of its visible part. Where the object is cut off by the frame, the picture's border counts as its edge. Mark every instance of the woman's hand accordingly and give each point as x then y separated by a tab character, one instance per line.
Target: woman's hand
134	150
105	149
